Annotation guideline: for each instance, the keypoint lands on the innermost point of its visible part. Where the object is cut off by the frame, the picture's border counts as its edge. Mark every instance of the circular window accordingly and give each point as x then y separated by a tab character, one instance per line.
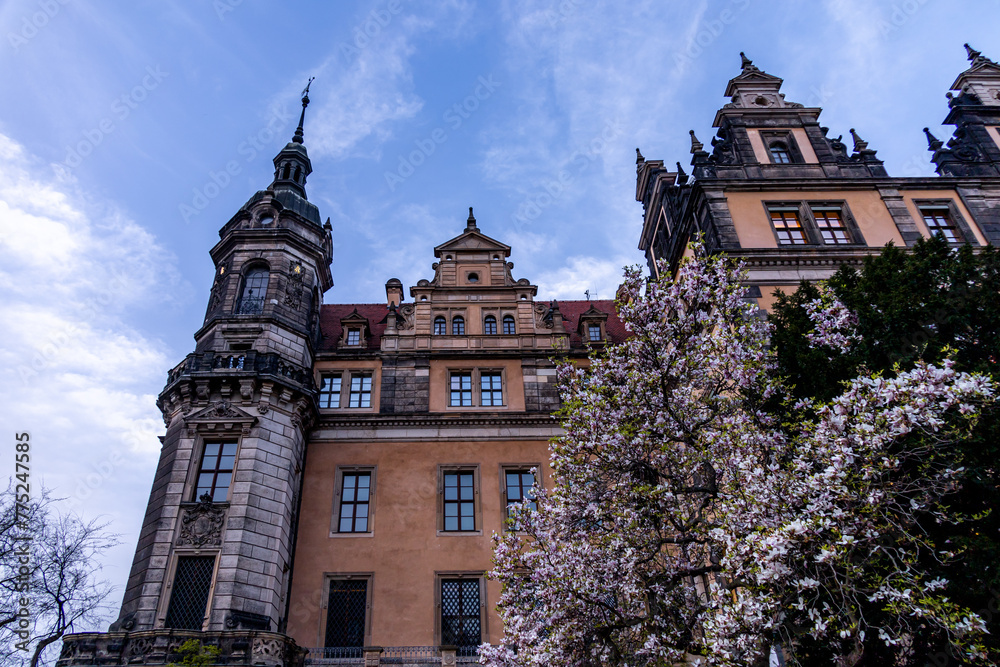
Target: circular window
266	220
473	277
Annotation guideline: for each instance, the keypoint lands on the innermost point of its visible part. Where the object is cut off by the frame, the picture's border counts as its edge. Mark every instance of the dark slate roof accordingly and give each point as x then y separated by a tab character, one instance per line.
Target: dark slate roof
376	313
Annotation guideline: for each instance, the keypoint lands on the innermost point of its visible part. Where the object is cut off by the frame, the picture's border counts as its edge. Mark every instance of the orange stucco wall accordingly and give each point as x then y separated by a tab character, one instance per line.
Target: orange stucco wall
754	227
405	550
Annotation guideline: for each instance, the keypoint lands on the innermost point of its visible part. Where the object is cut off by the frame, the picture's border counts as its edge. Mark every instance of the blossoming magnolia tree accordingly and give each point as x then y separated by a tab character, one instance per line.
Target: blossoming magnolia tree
687	525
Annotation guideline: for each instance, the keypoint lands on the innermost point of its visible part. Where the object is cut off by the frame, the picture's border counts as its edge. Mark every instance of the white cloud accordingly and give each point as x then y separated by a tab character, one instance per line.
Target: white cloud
601	277
74	373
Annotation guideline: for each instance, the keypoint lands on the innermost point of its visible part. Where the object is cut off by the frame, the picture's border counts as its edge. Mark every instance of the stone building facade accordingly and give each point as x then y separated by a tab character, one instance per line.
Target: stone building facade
795	204
331	474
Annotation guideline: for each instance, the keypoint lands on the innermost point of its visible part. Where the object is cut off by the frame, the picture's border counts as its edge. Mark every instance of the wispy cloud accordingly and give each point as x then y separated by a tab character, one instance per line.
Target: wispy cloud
72	371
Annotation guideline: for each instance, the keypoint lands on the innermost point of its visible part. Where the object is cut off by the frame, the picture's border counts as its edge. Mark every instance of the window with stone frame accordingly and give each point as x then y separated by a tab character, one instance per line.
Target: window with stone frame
354	336
509	328
781	147
518	487
476	387
251	301
594	332
457	325
460	389
354	508
360	390
940	221
215	474
787	224
440	325
490	325
459	500
461	613
329	390
347	607
190	589
831	225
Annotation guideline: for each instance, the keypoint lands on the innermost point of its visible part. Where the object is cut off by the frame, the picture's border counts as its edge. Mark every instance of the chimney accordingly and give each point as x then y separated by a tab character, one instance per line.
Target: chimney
393	292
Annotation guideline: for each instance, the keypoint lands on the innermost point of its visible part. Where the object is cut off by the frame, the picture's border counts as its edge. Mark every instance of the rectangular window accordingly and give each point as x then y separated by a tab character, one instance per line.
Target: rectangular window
361	390
459	500
346	615
787	226
461	624
830	223
355	499
461	389
939	221
594	331
519	488
491	385
354	336
190	589
216	472
329	391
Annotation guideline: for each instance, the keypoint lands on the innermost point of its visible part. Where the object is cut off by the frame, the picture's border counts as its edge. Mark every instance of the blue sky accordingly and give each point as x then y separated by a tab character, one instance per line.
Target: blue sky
131	132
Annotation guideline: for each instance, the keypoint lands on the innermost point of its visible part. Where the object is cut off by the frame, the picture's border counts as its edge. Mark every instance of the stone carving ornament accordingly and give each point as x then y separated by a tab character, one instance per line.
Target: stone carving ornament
201	526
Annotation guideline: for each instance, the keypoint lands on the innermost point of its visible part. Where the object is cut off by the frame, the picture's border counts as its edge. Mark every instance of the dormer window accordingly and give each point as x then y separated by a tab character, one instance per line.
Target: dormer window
355	330
458	326
354	336
591	328
440	326
780	153
594	332
490	325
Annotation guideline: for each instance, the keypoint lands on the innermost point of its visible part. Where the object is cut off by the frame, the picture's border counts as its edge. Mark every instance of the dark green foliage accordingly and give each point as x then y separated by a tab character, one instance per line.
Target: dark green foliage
194	654
929	302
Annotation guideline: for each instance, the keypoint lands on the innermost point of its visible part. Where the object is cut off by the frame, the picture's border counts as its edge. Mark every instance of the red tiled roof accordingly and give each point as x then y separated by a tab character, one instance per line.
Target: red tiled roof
331	315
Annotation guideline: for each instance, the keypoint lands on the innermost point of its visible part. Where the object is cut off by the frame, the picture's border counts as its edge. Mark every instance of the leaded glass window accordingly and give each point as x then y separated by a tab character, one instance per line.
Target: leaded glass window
361	390
461	624
346	610
189	596
329	391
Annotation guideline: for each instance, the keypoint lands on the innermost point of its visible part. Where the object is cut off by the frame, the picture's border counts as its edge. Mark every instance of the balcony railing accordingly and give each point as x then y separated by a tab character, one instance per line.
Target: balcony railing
251	361
403	656
250	305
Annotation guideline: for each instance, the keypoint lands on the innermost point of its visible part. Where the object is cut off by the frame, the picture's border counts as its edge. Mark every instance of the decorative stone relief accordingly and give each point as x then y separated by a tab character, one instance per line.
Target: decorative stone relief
201	526
541	322
294	289
406	310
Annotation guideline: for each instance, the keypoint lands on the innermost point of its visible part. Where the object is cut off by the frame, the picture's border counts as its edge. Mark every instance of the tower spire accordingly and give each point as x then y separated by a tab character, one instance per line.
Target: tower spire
302	117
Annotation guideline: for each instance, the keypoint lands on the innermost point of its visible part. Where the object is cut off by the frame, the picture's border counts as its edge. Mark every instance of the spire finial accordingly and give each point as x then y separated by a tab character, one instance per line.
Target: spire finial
297	139
744	61
933	143
859	143
682	176
972	53
696	146
470	224
639	159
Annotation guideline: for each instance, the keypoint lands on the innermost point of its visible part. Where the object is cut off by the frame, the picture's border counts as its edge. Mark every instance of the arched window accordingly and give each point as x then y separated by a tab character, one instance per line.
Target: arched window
490	325
254	290
440	325
285	170
508	325
298	174
780	154
458	326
